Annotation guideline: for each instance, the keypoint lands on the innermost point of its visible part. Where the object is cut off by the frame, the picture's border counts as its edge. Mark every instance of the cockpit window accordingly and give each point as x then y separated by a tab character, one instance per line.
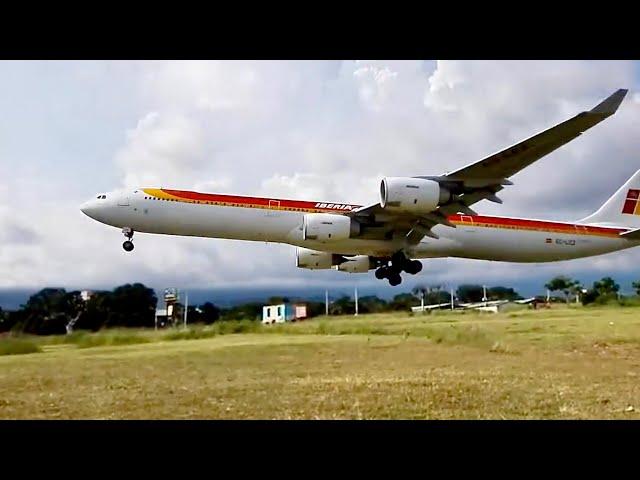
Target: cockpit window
101	197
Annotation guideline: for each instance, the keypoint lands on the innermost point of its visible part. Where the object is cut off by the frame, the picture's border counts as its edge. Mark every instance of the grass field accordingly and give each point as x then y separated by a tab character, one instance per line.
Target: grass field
558	363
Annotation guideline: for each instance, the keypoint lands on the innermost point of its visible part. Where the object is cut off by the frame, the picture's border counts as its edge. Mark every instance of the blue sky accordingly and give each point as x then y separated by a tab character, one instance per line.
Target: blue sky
308	130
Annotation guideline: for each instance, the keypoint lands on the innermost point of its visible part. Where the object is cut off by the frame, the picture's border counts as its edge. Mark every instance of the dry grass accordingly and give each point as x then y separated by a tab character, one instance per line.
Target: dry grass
564	363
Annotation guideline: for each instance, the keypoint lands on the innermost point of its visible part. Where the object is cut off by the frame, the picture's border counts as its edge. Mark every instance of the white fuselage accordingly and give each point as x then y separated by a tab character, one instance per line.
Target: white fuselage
274	220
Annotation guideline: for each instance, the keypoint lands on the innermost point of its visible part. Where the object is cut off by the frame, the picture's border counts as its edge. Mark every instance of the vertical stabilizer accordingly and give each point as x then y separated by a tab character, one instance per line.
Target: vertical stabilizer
622	209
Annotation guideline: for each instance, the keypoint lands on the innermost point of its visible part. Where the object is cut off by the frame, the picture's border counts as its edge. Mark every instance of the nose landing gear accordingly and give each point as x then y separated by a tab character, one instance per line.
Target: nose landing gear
128	244
399	263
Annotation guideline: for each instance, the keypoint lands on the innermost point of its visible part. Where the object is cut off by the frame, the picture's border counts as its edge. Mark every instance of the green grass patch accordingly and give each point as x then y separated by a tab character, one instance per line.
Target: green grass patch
107	339
189	334
561	362
219	328
236	326
18	346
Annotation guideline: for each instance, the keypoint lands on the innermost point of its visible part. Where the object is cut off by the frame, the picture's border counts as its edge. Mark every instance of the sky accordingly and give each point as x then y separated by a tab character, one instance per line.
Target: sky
309	130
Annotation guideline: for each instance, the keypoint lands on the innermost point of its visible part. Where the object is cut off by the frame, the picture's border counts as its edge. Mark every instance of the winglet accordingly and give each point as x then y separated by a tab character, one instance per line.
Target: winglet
611	103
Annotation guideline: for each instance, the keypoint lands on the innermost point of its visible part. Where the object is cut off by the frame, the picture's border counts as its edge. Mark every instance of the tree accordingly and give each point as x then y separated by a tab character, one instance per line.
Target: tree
502	293
371	304
315	308
95	313
606	287
131	306
343	306
402	301
420	291
636	287
247	311
577	289
470	293
209	313
46	312
432	294
562	284
603	291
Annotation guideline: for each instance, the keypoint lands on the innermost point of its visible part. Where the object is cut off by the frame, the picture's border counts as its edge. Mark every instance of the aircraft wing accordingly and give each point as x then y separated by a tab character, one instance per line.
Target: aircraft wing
431	307
525	301
483	179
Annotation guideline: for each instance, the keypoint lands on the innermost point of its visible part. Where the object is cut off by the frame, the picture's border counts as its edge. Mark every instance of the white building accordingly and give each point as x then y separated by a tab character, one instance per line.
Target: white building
284	312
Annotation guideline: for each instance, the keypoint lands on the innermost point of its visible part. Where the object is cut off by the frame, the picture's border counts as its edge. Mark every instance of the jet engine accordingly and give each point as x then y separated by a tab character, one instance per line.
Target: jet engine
315	260
412	195
327	227
357	264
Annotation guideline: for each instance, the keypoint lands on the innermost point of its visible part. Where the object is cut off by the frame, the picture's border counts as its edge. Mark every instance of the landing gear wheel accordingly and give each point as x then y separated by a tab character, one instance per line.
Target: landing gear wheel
395	279
413	267
128	233
382	272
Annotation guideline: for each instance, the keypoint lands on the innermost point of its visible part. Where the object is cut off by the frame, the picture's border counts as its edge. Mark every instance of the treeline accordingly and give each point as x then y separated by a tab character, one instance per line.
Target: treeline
602	292
52	310
55	310
432	295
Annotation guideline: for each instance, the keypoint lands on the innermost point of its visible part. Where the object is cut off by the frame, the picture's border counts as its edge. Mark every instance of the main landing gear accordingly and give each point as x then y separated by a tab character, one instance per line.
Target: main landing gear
128	244
399	263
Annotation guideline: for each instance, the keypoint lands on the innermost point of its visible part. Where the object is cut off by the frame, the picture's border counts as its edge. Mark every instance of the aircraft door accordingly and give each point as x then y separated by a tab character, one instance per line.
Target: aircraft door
274	208
467	221
123	201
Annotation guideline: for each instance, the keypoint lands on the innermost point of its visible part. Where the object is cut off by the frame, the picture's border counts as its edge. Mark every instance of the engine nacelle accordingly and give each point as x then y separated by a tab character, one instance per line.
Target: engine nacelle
315	260
357	264
412	195
327	227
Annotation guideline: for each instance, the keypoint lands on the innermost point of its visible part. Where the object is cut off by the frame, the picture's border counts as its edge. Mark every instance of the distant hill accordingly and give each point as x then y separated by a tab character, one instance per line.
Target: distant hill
12	298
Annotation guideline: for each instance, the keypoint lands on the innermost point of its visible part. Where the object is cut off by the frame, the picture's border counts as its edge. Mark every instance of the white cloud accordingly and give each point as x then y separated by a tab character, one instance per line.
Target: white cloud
162	149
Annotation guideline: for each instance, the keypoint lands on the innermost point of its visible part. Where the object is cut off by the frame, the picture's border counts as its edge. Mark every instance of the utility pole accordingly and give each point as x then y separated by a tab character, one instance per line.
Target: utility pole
422	301
356	296
452	299
326	302
484	294
186	308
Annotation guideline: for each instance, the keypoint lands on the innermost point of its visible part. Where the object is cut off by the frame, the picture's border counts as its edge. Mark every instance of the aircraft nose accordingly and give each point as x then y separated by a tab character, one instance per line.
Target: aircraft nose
88	208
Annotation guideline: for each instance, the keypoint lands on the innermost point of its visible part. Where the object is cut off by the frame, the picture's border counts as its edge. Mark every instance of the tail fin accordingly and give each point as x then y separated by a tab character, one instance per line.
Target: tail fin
623	208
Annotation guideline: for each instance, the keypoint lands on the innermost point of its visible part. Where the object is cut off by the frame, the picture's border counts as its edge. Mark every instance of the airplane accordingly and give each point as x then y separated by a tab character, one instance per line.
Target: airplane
417	217
475	305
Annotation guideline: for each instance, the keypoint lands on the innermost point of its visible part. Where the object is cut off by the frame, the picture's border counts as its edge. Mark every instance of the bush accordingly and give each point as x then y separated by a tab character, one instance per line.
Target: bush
108	339
236	326
17	346
191	334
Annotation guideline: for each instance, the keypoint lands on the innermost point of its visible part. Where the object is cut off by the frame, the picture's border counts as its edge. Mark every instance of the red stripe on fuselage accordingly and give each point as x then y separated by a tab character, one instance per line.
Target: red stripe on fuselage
525	224
477	220
273	203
